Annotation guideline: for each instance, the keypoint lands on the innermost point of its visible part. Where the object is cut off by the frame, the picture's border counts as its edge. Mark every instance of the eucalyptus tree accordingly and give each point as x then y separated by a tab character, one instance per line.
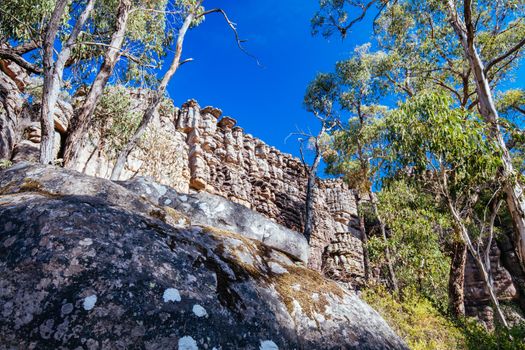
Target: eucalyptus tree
21	30
193	14
137	36
449	156
53	70
76	38
320	99
462	47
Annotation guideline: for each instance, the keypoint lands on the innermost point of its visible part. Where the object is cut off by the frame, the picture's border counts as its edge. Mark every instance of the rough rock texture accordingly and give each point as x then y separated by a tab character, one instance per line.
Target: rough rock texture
509	283
195	149
203	152
215	211
86	263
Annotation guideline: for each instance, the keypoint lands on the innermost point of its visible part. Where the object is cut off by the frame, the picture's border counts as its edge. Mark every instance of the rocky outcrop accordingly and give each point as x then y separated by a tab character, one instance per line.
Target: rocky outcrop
195	149
509	284
87	263
215	211
204	152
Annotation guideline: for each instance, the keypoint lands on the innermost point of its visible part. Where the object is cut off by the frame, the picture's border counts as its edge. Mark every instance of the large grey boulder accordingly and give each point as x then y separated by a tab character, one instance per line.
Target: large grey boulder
94	266
216	211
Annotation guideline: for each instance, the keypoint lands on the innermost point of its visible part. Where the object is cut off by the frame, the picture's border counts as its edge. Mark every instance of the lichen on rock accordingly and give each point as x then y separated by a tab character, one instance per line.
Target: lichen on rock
90	267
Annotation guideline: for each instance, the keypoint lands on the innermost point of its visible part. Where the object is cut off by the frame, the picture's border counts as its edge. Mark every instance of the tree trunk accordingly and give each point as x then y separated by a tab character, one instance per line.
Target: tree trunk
310	197
80	122
48	95
152	108
456	281
53	73
364	239
388	257
487	109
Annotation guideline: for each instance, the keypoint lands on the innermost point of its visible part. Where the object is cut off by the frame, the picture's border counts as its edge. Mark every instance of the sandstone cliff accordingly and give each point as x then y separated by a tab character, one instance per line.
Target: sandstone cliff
196	151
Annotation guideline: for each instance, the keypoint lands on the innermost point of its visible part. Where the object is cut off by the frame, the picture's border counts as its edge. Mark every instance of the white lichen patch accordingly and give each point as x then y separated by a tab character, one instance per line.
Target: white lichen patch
86	242
199	311
315	297
89	302
268	345
171	294
187	343
296	287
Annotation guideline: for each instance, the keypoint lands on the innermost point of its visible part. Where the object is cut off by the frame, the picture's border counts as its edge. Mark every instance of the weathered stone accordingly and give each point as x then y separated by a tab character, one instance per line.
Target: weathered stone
84	263
509	284
215	211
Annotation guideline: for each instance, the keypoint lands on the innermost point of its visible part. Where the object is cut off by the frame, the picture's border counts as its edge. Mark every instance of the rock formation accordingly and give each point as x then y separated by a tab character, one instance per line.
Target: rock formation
101	267
202	151
196	150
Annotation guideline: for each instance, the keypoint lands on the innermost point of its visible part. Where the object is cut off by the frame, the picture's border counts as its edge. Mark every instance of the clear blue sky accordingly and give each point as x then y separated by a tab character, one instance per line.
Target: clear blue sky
266	102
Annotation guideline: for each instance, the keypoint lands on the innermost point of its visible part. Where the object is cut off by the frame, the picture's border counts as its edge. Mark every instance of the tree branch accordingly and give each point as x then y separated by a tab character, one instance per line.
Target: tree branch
497	60
233	28
11	55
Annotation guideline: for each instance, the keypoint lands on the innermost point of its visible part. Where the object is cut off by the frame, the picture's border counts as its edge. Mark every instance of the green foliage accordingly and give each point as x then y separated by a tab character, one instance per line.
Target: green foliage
422	48
354	150
117	116
321	94
478	338
418	229
416	320
21	20
424	327
427	134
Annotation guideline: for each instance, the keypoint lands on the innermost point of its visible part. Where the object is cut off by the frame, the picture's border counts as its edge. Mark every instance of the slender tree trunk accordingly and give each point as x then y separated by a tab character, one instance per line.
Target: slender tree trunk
479	264
456	281
152	108
310	196
80	122
487	108
53	73
364	239
47	109
388	256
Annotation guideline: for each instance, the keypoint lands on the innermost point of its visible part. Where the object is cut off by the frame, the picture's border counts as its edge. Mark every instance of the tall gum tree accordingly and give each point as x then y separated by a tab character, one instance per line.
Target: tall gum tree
449	156
119	40
463	48
53	70
354	152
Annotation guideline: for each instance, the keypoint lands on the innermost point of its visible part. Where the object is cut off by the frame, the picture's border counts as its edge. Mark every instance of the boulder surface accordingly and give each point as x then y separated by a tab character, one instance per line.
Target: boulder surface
88	264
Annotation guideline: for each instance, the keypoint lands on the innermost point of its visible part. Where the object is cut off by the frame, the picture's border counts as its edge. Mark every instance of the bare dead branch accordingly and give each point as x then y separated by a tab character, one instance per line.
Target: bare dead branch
233	27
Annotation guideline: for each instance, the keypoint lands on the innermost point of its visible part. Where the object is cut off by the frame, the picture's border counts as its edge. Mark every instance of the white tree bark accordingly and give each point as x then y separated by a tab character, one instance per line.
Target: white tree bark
515	202
81	120
154	105
53	73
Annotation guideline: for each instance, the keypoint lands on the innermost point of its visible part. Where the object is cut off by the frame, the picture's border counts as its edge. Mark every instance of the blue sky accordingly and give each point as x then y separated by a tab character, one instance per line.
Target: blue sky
266	102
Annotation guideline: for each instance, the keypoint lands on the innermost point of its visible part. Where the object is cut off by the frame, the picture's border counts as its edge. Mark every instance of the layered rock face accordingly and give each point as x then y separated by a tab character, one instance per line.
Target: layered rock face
87	263
196	149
